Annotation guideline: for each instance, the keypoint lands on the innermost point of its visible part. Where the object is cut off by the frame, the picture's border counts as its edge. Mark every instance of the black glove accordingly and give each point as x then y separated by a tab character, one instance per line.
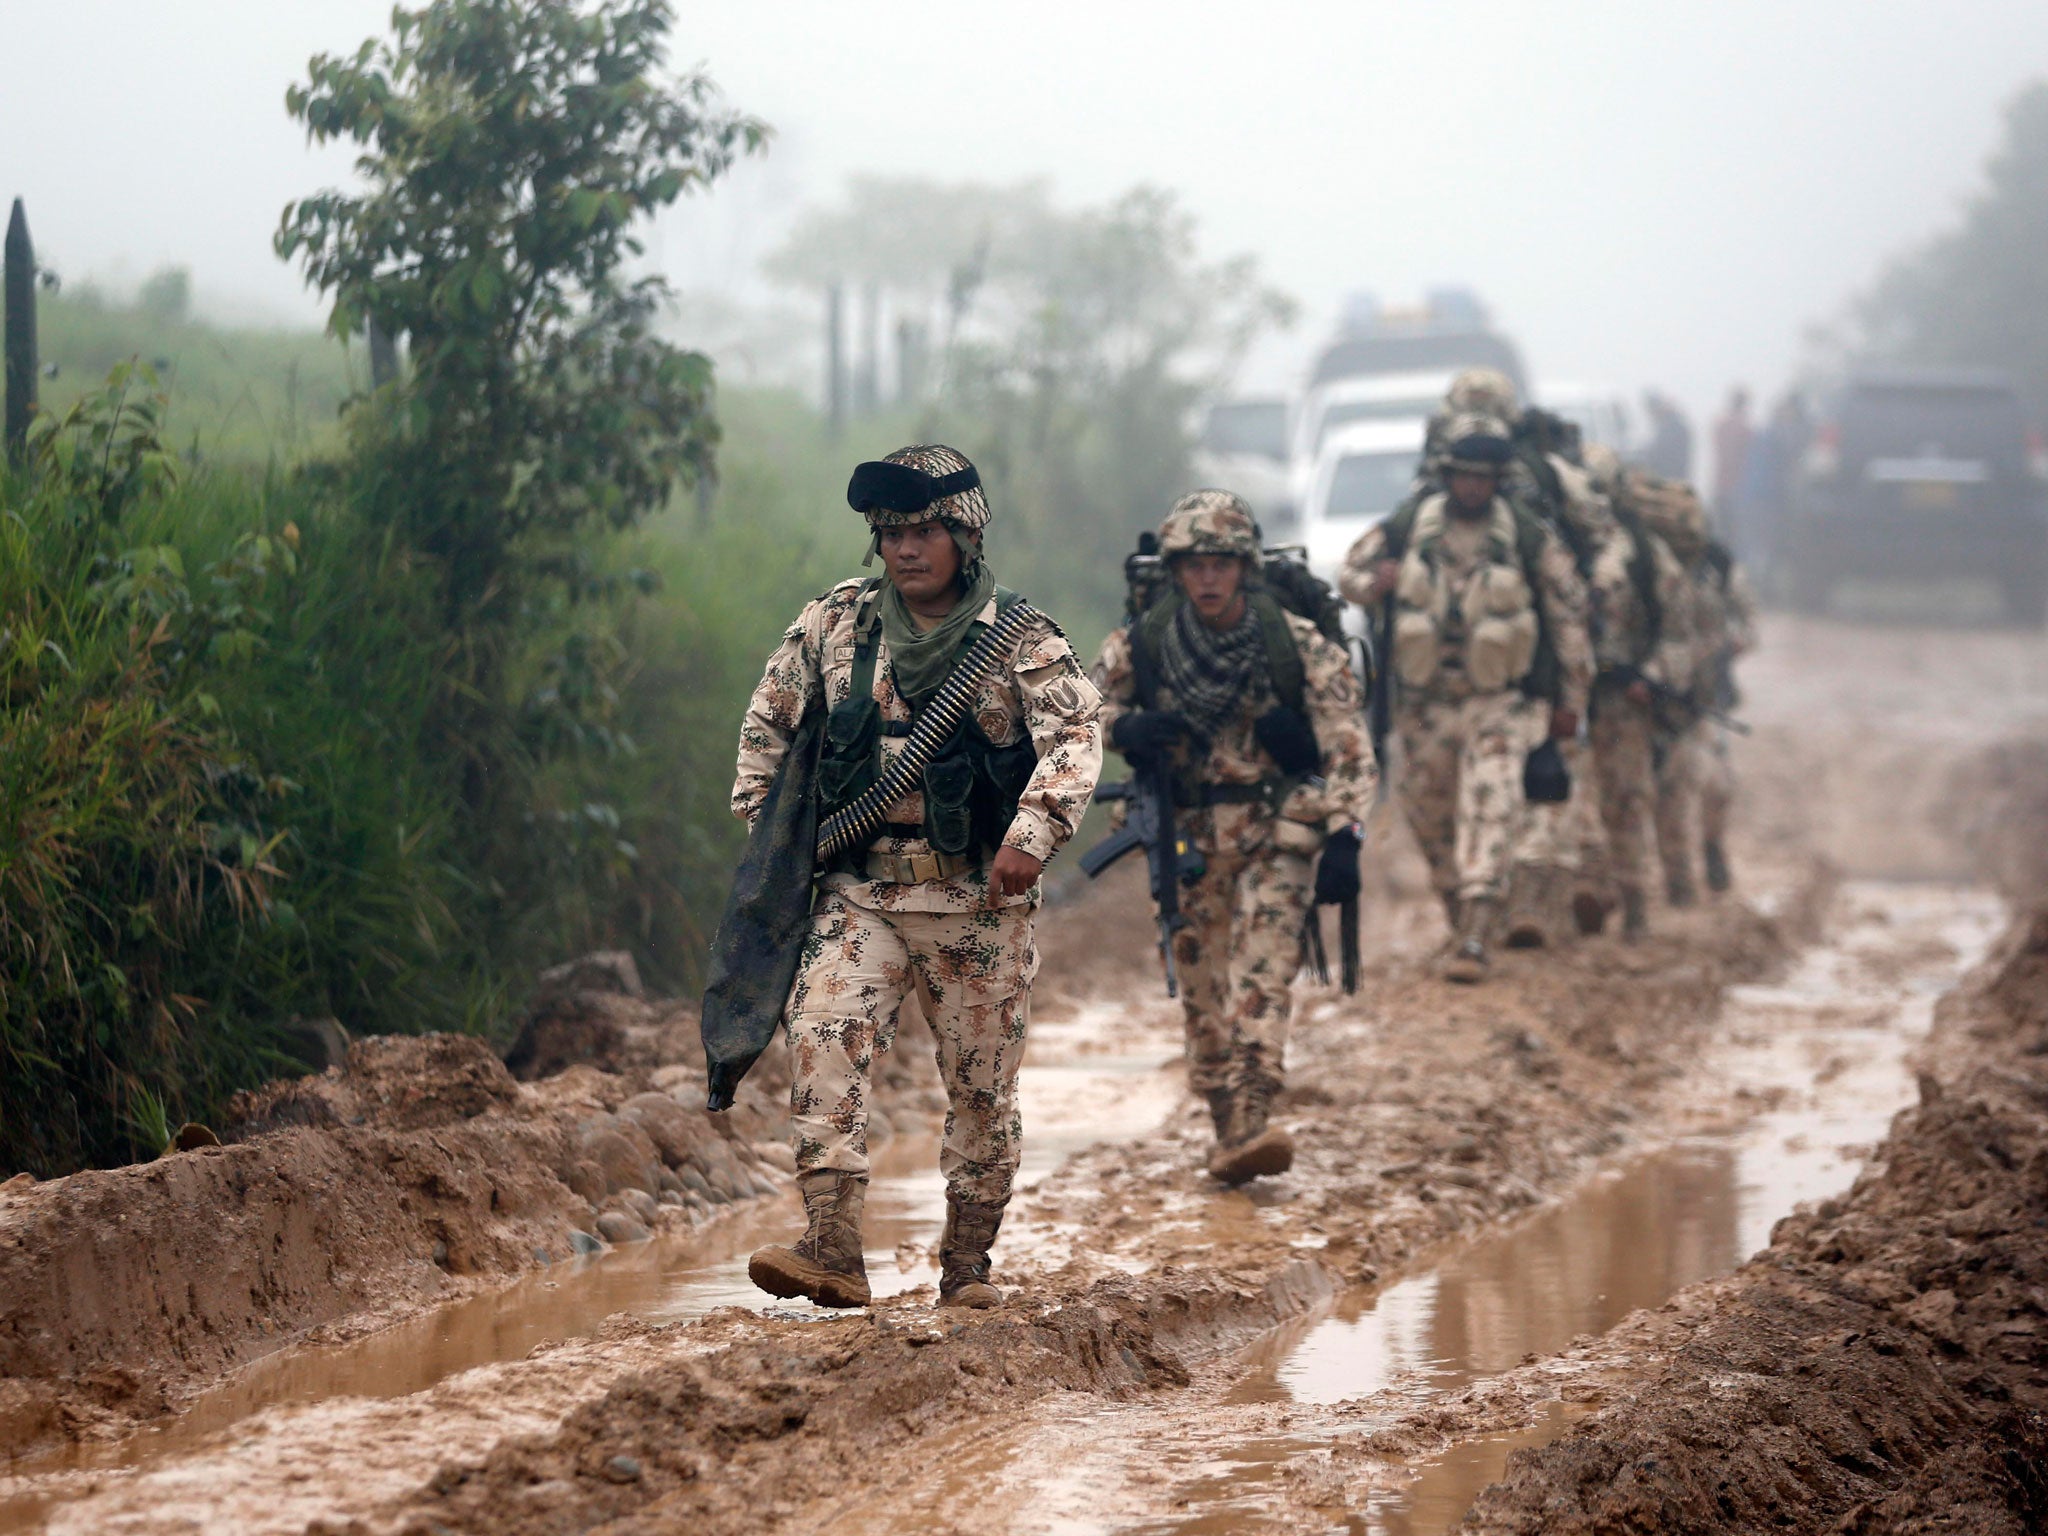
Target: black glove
1289	740
1337	874
1143	732
1545	778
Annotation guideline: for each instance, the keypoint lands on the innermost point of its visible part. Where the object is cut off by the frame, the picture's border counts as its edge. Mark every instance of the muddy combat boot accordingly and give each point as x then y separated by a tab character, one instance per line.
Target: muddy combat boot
1252	1149
1534	905
1716	859
1468	962
1219	1110
1679	891
971	1227
826	1263
1589	913
1635	915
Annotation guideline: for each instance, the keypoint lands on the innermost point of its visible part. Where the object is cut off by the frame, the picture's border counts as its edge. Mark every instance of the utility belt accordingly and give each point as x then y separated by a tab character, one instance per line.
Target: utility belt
916	868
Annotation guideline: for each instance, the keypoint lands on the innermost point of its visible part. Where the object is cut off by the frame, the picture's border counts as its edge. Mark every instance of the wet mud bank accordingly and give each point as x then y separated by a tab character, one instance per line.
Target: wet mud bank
417	1172
1883	1365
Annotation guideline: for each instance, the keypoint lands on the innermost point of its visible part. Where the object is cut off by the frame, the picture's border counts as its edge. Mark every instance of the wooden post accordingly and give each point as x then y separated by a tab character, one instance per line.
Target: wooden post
835	358
21	332
867	374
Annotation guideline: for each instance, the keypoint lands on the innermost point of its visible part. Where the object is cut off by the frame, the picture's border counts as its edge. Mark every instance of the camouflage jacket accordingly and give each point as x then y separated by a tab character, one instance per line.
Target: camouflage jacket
1332	698
1726	619
1623	632
1043	691
1556	584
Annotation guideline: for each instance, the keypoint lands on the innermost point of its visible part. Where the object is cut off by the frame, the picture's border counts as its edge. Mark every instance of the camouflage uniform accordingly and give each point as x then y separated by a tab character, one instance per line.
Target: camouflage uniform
1242	946
1727	618
874	939
1625	734
1463	747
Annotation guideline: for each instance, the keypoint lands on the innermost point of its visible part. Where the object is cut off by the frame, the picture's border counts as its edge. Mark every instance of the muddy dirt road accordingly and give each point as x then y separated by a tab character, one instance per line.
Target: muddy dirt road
1509	1282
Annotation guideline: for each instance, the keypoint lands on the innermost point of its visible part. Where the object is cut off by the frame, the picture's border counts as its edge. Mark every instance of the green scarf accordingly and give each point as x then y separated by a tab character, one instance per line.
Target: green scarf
922	659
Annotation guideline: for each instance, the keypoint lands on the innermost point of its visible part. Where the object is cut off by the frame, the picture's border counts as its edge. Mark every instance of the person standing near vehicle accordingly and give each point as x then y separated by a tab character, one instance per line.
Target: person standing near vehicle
942	896
1259	714
1491	657
1733	439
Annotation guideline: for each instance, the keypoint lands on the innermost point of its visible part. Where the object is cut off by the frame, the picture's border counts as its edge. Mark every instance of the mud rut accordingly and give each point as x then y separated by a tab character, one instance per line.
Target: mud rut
1492	1189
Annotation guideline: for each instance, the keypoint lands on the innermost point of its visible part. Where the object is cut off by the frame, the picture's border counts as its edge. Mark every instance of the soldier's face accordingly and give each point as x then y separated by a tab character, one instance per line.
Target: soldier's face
1213	585
922	560
1473	493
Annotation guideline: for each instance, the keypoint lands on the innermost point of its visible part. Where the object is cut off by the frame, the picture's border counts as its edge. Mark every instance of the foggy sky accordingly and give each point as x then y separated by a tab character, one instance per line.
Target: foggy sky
1644	193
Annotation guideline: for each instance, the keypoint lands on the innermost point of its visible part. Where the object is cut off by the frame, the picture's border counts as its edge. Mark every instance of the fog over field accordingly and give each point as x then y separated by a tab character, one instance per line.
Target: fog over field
1662	194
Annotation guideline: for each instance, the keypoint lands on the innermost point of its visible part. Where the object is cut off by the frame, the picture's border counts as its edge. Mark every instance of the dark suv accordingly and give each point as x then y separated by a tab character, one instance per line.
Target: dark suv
1920	472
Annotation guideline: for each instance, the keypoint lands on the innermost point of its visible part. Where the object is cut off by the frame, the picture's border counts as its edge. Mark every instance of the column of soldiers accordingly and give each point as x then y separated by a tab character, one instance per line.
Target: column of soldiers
1527	590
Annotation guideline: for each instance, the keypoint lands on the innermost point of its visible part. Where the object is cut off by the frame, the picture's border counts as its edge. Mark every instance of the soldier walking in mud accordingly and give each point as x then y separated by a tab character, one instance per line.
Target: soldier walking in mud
1726	616
1643	633
939	890
1491	657
1259	715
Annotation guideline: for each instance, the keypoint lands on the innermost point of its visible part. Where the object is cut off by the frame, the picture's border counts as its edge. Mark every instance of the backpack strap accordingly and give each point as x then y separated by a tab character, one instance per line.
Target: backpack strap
867	638
1284	670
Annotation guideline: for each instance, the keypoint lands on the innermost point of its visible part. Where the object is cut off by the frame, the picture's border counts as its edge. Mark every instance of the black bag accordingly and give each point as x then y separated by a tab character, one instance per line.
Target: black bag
1545	778
760	939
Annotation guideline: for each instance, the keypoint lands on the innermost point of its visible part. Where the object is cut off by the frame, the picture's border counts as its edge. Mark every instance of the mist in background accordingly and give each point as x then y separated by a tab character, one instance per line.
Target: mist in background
1661	195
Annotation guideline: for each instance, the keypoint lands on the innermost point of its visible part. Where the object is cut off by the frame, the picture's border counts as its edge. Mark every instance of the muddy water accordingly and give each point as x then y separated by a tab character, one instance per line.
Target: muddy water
1823	1054
1096	1077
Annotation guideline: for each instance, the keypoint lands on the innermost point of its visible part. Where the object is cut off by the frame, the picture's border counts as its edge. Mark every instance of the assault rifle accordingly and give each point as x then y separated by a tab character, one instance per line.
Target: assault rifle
1676	699
1169	857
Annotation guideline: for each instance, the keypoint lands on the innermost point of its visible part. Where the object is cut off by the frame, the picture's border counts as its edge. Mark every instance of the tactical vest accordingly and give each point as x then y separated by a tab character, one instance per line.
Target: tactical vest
1488	615
1641	570
971	787
1285	675
1542	677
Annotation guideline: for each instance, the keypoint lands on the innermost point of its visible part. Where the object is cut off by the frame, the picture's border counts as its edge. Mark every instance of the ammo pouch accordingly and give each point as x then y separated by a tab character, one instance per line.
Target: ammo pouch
1500	615
852	755
949	797
1002	772
1422	605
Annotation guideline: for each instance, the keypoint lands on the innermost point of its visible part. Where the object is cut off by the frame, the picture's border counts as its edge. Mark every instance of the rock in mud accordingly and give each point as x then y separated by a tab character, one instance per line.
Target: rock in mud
672	1129
617	1227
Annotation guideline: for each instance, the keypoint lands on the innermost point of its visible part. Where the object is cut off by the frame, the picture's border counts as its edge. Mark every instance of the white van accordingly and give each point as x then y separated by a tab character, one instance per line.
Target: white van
1363	472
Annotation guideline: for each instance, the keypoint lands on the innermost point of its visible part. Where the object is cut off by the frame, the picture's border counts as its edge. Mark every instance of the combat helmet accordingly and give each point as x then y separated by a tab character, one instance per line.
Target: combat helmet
1478	444
1671	509
1487	391
1603	467
1210	522
917	484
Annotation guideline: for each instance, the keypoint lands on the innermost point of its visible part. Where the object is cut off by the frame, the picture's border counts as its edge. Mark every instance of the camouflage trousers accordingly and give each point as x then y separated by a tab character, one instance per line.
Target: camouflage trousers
1565	835
1678	798
1715	776
972	972
1623	734
1461	785
1238	957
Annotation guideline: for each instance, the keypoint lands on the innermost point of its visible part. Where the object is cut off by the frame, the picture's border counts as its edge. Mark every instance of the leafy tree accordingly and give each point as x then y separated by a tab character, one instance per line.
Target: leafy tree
1978	293
510	148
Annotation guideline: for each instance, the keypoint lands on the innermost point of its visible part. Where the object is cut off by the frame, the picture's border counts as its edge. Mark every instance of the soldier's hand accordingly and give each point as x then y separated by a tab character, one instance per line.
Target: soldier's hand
1337	874
1144	731
1385	573
1638	693
1013	873
1564	722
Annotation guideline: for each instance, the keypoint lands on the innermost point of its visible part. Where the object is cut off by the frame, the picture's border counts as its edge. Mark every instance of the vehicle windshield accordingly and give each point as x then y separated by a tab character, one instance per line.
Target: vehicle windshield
1345	412
1369	484
1945	422
1248	426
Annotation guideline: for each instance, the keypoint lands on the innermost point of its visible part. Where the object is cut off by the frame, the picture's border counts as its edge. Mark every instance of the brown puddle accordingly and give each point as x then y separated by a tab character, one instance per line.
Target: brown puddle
1827	1047
1094	1079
